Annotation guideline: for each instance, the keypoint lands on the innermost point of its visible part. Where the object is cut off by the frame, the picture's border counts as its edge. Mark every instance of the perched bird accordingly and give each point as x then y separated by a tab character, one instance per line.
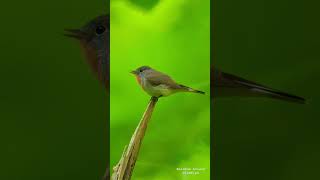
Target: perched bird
225	84
158	84
94	38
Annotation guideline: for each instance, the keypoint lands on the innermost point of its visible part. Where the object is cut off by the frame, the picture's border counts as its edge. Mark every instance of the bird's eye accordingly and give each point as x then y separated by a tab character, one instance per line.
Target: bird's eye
100	30
140	70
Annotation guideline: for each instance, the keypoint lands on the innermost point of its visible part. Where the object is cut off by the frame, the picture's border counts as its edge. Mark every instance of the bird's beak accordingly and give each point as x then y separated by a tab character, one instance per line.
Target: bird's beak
134	72
75	33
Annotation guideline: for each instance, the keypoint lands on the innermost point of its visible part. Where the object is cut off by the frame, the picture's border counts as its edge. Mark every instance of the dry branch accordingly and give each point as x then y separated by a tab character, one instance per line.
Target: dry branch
123	170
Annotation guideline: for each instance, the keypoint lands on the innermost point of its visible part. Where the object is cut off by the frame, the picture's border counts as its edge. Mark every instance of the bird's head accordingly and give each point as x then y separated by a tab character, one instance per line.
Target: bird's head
95	40
94	34
141	71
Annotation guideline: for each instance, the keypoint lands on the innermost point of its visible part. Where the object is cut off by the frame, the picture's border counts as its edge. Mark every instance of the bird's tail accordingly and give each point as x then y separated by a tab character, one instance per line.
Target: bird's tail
236	86
189	89
278	95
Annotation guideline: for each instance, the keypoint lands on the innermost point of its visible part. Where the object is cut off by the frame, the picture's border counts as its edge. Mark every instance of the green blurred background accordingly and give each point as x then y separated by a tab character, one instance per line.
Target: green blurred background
53	112
172	37
275	43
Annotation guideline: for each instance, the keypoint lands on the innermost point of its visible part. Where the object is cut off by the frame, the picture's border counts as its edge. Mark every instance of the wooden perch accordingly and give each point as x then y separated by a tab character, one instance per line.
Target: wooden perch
123	170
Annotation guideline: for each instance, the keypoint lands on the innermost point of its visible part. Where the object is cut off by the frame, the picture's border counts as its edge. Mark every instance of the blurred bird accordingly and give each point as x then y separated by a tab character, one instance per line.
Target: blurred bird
158	84
225	84
94	38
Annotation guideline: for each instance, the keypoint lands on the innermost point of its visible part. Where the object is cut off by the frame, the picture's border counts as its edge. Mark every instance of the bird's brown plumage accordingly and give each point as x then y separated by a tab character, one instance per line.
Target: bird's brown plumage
157	78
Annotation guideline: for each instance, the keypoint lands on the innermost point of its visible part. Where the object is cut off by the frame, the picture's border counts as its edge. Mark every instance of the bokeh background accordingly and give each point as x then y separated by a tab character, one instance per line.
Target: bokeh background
275	43
53	112
173	37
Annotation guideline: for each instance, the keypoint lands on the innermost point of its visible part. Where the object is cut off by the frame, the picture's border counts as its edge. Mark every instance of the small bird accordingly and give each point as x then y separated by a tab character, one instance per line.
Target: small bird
228	85
94	38
158	84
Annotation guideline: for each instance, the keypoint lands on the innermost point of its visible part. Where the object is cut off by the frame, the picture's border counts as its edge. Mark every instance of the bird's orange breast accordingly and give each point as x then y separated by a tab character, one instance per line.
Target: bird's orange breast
138	79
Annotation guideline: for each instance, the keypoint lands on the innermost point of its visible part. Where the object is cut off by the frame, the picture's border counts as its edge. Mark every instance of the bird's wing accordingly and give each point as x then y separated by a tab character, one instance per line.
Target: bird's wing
225	84
157	78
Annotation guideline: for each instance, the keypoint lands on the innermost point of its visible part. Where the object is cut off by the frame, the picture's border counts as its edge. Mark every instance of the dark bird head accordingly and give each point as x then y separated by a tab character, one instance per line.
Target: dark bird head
141	70
94	33
95	40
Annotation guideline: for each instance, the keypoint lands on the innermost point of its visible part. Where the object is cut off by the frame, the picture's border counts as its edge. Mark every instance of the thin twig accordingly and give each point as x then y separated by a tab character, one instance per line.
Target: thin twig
123	170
